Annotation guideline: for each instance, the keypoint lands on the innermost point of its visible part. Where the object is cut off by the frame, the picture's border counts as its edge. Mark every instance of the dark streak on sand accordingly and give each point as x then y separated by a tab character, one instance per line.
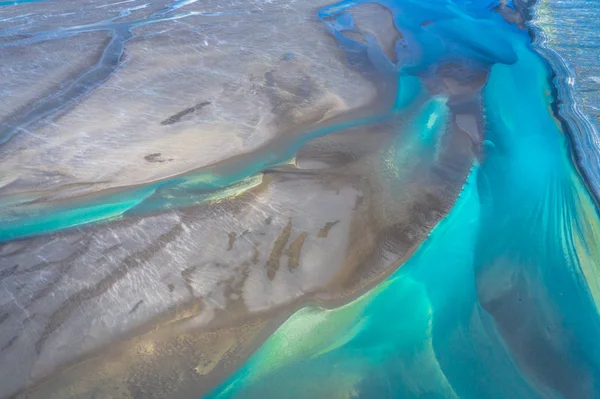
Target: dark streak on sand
137	305
8	272
177	117
9	343
278	246
14	271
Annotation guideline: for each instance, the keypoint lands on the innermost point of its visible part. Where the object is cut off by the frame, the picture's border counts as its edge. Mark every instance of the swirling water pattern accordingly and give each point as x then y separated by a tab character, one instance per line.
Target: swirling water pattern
502	298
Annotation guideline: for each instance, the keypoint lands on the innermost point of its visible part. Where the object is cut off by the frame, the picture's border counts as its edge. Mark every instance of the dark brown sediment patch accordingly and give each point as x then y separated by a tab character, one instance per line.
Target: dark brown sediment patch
325	230
232	237
277	251
156	158
295	250
255	255
153	157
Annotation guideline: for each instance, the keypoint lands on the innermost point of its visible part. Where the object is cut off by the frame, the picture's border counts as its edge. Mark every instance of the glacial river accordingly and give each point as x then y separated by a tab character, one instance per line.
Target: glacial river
496	294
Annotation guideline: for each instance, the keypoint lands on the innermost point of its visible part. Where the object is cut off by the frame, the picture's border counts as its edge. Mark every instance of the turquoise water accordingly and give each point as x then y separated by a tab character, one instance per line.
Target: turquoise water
16	2
502	299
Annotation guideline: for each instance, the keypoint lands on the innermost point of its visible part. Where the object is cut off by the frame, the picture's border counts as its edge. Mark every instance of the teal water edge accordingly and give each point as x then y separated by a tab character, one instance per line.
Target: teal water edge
20	217
17	2
501	300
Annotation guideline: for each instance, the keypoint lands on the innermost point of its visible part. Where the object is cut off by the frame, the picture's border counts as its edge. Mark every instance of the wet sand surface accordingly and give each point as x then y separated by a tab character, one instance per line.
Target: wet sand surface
167	299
